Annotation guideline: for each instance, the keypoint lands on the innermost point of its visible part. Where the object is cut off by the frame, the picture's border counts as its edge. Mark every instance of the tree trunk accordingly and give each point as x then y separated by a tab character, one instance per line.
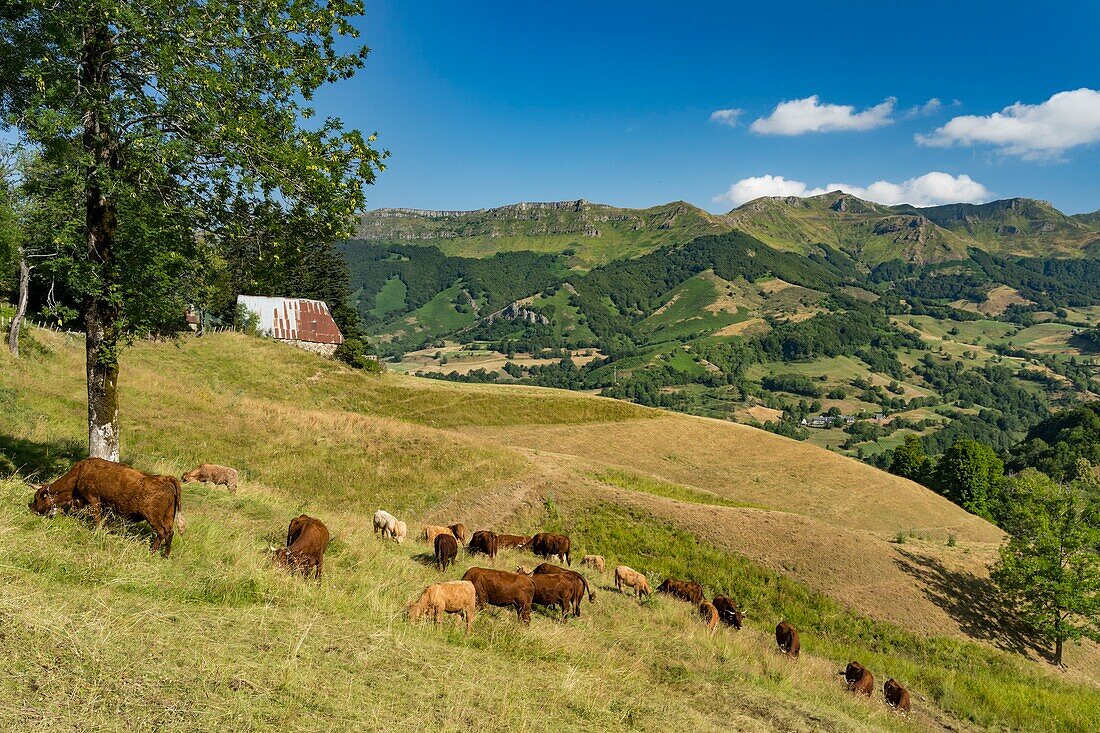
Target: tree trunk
1058	651
21	308
101	309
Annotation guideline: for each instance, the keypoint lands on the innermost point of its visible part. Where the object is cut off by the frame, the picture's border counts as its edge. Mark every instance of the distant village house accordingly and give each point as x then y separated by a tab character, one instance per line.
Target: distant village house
304	323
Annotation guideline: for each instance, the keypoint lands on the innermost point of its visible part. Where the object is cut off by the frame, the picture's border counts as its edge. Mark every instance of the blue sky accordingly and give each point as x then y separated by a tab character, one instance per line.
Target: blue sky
487	103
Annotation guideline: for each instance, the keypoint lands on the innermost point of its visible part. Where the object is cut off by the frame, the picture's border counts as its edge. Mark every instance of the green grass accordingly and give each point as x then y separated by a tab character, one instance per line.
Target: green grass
648	485
686	311
390	297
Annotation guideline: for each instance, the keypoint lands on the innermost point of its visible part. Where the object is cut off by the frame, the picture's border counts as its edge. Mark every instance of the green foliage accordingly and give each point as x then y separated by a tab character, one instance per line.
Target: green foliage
793	383
970	474
1050	569
1055	445
909	461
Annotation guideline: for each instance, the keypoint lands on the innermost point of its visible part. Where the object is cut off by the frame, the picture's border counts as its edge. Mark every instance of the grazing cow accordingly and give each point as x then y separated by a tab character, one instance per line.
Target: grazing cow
728	611
131	494
594	561
501	588
400	531
632	579
551	546
511	541
548	569
685	590
459	531
214	474
787	639
454	596
858	679
896	695
306	541
483	541
564	590
385	523
432	530
709	614
446	550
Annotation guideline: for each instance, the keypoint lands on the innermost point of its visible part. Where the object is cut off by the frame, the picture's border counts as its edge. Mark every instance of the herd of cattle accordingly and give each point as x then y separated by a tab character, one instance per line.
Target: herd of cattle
94	484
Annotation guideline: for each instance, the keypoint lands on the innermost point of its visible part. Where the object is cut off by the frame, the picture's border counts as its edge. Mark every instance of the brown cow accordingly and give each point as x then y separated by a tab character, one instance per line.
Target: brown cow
709	614
446	550
787	639
511	541
454	596
558	589
501	588
459	531
728	611
131	494
551	546
214	474
632	579
548	569
483	541
431	531
306	541
685	590
594	561
896	695
858	678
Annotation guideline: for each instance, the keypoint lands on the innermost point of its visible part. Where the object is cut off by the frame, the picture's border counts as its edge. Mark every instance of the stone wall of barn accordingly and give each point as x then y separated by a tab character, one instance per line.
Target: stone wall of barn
312	347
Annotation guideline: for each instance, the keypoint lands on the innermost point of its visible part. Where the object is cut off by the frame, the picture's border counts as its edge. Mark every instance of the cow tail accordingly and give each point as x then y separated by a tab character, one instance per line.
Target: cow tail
587	589
181	525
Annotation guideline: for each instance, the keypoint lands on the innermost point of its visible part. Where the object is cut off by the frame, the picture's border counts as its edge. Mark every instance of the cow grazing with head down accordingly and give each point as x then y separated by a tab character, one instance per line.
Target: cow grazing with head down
400	532
212	473
896	696
858	679
728	612
483	541
95	484
306	541
551	546
386	523
501	588
511	541
564	590
787	639
446	550
459	531
626	576
685	590
431	531
594	561
709	614
548	569
454	596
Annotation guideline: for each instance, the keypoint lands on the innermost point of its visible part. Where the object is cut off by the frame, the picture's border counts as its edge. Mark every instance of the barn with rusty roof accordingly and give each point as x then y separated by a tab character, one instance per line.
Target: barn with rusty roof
304	323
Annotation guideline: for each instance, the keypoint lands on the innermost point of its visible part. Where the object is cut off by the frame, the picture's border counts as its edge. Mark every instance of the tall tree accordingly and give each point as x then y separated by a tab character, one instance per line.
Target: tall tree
909	461
161	114
1050	568
970	474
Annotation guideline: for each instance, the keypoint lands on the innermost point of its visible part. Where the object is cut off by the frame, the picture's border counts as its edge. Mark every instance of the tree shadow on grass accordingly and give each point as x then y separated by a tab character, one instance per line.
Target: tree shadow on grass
39	461
973	602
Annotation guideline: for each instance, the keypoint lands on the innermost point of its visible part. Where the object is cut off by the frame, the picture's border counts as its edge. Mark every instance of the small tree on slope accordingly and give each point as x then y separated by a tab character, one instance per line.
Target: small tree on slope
1049	570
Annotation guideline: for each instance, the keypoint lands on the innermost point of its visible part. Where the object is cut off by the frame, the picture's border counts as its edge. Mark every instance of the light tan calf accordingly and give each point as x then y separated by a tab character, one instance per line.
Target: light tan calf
455	596
595	561
432	531
632	579
214	474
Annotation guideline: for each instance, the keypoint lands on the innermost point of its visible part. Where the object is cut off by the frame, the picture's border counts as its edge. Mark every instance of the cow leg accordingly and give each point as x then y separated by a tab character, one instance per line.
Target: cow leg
97	511
320	564
168	540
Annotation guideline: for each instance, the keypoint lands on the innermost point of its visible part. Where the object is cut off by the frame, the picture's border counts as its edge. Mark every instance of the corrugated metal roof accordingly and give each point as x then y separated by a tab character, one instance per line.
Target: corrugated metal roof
293	319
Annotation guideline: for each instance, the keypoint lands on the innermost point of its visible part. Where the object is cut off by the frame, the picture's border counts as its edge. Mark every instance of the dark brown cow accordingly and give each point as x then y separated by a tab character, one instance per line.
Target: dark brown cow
501	588
551	546
511	541
96	483
446	550
728	611
306	541
483	541
787	639
685	590
564	590
459	531
858	679
896	695
548	569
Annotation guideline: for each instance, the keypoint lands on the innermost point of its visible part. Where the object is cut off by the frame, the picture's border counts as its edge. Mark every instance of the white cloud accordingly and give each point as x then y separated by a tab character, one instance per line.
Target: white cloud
800	116
931	107
927	190
726	117
1032	131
